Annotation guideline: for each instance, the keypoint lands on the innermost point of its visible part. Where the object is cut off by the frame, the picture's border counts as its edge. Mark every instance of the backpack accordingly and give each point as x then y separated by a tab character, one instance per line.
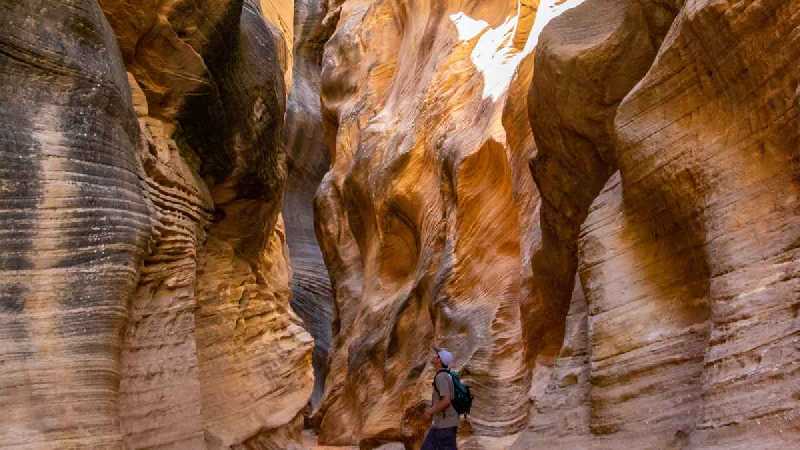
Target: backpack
462	398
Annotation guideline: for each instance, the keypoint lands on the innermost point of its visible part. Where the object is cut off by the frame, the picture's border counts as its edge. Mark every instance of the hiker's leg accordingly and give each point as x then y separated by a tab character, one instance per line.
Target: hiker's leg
447	438
430	440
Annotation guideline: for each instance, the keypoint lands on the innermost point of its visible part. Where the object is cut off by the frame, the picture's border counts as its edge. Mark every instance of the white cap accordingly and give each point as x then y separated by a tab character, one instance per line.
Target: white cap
444	356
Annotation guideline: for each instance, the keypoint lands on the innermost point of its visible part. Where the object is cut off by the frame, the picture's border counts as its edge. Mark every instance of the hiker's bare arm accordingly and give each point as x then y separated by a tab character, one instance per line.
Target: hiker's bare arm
438	407
443	385
441	405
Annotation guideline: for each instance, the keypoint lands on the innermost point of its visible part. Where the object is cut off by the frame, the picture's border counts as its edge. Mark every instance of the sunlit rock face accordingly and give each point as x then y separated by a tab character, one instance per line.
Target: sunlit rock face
425	216
676	204
635	288
153	298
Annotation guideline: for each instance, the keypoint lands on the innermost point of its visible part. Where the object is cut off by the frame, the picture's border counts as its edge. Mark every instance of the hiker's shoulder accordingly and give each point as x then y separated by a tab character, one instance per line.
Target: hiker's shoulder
442	375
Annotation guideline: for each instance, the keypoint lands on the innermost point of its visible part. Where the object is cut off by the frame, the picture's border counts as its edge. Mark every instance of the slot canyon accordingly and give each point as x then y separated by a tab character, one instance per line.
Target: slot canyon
243	224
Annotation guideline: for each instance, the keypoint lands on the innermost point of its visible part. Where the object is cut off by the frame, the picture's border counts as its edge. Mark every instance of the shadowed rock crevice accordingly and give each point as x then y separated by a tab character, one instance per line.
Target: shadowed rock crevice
308	159
236	285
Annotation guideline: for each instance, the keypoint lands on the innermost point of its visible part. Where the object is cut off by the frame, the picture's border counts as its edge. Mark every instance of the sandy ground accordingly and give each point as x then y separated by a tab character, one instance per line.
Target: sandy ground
310	443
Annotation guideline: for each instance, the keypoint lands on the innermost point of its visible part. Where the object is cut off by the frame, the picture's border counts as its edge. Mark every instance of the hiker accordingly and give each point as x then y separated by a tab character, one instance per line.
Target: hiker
442	433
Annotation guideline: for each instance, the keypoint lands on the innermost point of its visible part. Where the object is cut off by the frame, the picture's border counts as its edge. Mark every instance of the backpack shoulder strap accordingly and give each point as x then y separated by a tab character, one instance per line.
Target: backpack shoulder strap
452	382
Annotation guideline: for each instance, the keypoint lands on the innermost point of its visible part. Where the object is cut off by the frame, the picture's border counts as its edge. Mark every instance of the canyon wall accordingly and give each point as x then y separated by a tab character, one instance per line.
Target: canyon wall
308	160
425	212
686	258
145	279
592	203
602	230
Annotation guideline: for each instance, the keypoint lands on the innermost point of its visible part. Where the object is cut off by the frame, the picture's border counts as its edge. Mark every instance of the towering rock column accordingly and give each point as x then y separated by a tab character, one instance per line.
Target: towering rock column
686	258
75	224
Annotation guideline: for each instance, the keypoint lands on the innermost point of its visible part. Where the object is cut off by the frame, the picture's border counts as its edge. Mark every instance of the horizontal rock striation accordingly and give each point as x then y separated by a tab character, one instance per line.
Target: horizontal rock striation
75	224
679	255
713	174
166	230
593	204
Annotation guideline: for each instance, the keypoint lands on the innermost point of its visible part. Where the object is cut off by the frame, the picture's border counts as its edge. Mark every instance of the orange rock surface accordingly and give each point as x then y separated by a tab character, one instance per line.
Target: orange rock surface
424	214
592	203
638	290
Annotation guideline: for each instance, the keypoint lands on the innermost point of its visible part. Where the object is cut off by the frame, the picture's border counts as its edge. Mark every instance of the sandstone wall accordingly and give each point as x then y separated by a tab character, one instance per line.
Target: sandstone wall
599	217
635	288
423	214
75	224
680	295
172	326
308	160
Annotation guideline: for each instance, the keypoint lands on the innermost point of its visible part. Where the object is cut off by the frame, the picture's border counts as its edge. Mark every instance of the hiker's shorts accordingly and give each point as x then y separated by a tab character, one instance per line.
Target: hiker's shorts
440	439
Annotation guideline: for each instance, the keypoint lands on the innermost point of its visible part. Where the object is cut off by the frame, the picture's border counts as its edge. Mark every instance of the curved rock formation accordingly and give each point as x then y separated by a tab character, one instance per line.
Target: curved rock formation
598	217
686	312
420	216
585	64
625	292
185	237
711	178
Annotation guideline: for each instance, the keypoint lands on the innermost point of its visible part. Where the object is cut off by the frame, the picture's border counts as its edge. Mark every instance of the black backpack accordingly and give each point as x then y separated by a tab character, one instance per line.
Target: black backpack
462	398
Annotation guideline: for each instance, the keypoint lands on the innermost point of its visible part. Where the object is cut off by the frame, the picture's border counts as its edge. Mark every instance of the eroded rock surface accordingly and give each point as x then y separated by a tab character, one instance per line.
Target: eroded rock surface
75	224
308	160
724	142
420	216
600	221
178	230
637	290
679	256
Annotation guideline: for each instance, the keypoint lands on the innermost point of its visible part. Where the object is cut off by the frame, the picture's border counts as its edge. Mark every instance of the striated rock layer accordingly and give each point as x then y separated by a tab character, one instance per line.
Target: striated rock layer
75	224
599	217
686	257
639	290
145	279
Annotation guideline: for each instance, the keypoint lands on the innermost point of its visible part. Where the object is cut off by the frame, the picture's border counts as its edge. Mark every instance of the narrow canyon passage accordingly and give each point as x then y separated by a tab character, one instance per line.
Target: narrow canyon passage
243	224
